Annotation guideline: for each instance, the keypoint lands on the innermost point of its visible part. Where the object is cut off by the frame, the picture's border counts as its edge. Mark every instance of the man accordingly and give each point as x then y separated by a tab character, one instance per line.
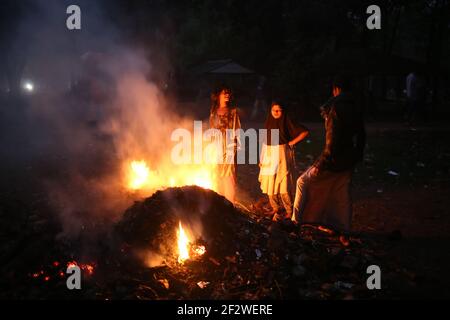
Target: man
323	191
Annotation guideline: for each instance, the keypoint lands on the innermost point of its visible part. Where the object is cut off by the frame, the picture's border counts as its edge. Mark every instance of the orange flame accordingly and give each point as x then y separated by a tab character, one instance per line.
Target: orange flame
139	177
183	244
186	249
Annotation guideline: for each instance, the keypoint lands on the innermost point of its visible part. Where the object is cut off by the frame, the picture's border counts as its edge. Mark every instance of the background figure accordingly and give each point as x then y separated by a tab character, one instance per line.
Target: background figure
260	105
277	160
222	117
416	91
323	191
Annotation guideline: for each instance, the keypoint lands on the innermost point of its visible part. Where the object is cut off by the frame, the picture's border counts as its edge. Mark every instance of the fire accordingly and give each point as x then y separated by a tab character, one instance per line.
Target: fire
139	174
204	179
186	249
183	245
143	176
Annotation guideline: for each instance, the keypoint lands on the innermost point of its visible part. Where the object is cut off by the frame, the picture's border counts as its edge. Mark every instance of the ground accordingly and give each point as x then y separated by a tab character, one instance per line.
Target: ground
401	220
400	198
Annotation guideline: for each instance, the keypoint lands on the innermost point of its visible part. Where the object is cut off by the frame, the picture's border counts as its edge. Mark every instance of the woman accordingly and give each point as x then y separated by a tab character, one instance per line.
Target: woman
277	160
224	117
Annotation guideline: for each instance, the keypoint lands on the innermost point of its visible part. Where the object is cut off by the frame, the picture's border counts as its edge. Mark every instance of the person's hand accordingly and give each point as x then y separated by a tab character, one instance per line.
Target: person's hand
291	143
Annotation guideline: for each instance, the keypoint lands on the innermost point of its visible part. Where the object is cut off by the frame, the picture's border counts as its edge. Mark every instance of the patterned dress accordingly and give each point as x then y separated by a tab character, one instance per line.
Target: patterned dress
227	120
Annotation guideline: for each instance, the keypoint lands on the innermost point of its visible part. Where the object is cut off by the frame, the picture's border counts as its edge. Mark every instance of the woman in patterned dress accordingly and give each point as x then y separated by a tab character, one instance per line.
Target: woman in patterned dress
224	117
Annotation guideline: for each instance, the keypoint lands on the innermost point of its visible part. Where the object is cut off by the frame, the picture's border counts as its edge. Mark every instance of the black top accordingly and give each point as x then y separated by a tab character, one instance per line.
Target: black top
287	130
345	135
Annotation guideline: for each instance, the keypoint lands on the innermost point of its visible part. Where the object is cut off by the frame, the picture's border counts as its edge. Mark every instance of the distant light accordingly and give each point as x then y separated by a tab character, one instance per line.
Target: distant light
28	86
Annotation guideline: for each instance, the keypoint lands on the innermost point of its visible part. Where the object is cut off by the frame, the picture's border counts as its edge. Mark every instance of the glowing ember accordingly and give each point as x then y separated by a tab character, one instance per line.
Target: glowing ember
89	268
199	250
183	245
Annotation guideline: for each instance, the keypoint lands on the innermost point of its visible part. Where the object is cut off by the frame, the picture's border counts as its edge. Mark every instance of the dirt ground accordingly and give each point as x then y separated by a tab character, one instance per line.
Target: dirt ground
400	203
401	197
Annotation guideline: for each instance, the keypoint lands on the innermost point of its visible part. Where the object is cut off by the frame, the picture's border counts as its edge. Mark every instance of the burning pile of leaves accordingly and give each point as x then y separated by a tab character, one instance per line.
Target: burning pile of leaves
246	255
232	254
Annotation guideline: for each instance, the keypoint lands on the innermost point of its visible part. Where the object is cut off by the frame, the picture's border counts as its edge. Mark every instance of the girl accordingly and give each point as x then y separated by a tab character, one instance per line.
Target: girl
225	117
277	160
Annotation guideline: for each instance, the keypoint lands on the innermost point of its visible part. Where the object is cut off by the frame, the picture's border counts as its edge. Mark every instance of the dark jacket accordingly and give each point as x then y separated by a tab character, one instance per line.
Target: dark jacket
345	135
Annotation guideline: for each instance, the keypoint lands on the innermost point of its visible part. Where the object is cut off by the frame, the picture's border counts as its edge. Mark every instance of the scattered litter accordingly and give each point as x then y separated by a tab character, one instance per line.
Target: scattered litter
420	164
258	253
202	284
392	173
343	285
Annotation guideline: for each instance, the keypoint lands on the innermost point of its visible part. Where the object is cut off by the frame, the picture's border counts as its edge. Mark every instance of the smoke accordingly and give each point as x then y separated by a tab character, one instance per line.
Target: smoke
94	110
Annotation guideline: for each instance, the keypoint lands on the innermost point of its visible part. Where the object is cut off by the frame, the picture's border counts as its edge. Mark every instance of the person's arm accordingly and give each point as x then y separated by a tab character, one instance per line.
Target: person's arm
236	126
332	132
299	138
298	132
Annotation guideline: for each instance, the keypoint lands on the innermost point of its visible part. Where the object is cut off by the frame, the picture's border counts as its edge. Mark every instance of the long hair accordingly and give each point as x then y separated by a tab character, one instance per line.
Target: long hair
284	114
215	97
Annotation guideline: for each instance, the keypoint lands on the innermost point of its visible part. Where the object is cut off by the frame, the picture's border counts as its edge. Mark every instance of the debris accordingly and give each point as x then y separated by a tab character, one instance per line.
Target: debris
420	164
164	282
217	263
258	253
339	285
202	284
335	251
392	173
326	230
298	271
